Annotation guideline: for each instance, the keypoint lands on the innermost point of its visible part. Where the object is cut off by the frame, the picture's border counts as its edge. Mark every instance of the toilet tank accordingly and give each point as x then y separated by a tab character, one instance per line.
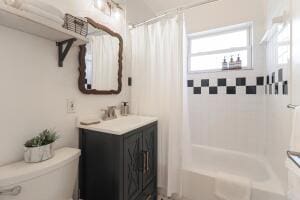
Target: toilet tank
53	179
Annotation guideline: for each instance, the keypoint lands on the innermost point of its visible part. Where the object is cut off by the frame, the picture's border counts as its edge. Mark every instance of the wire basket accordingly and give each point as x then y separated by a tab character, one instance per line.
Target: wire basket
76	25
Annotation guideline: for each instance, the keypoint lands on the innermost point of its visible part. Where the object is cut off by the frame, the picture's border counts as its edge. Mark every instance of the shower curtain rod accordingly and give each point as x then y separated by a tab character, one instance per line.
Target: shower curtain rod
179	9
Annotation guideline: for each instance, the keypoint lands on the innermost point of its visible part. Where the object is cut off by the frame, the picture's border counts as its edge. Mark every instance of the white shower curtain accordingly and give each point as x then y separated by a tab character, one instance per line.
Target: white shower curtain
157	90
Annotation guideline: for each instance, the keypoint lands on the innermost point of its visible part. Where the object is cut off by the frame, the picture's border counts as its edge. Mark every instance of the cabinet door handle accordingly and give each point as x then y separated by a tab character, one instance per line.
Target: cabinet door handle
145	162
148	167
142	159
149	197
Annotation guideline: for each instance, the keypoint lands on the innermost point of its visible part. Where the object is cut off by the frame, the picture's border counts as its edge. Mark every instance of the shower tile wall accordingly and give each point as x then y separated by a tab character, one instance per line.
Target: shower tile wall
227	110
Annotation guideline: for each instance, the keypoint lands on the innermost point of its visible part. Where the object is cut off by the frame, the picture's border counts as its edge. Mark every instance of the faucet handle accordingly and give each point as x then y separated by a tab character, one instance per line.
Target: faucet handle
105	115
112	112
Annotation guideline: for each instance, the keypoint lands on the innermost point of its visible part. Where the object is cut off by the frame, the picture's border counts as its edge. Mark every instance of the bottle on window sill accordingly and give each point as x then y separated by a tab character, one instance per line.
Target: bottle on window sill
231	63
224	64
238	63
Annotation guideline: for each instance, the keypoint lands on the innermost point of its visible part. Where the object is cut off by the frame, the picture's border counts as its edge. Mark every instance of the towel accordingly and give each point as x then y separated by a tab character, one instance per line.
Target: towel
230	187
45	7
41	13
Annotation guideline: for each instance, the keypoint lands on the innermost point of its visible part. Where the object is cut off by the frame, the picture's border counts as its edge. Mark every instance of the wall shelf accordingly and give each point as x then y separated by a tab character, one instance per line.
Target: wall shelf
38	26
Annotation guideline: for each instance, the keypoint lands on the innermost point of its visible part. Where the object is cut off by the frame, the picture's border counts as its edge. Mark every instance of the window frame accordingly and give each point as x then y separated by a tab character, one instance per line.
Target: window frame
224	30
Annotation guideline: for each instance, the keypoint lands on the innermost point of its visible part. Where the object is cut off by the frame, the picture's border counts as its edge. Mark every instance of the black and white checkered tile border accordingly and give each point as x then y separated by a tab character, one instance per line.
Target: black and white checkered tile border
240	84
268	83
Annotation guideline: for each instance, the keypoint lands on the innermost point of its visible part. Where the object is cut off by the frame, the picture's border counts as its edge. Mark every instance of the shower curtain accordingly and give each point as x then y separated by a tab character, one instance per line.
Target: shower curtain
157	90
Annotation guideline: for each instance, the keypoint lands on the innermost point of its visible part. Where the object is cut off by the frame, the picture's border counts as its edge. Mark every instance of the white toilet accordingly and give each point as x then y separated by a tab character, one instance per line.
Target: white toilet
53	179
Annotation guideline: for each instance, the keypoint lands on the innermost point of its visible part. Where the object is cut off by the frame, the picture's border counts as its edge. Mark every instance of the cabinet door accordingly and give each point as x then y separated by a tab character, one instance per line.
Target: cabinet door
149	155
148	193
147	197
132	166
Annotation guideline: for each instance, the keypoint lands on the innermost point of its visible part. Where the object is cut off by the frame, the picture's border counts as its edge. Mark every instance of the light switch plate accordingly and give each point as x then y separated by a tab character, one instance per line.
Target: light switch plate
71	106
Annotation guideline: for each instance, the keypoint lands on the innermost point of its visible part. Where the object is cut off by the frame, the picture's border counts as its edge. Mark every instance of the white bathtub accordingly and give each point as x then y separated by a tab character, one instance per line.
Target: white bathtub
198	178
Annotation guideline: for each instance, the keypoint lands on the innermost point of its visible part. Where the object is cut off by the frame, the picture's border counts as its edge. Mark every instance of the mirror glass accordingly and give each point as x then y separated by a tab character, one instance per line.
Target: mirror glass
101	60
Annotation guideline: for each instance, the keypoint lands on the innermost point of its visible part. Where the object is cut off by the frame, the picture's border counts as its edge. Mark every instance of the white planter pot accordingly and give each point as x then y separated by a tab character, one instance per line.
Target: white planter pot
38	154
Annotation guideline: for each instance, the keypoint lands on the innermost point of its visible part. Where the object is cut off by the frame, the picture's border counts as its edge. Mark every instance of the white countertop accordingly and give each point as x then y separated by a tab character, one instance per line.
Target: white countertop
120	125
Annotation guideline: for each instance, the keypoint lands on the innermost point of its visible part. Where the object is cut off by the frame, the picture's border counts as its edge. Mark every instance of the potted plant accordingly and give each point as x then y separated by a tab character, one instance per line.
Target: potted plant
40	148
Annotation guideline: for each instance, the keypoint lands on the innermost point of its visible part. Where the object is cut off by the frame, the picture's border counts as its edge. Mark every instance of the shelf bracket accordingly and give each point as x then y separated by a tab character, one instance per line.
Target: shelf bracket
62	52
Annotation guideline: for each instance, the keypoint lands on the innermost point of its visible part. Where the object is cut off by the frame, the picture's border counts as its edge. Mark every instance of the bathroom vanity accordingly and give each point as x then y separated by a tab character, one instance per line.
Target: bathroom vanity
119	159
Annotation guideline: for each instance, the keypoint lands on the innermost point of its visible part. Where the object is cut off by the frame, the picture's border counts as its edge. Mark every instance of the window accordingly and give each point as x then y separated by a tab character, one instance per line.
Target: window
283	42
208	50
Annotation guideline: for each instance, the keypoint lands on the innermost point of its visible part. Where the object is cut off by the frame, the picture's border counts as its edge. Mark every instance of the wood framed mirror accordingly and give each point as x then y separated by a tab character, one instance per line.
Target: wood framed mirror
100	61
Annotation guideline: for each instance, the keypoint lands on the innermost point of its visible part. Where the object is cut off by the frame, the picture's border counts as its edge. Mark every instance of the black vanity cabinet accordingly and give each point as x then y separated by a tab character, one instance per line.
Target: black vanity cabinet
119	167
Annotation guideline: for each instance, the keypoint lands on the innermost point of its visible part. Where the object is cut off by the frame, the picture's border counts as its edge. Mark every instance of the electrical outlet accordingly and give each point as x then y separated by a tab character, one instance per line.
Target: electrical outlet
71	106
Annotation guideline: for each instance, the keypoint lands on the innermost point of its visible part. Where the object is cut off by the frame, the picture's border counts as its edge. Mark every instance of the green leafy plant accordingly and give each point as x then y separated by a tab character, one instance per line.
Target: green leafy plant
44	138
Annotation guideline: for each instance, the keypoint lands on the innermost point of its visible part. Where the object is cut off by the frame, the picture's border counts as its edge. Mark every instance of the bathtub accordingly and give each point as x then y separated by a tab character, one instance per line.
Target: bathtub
199	177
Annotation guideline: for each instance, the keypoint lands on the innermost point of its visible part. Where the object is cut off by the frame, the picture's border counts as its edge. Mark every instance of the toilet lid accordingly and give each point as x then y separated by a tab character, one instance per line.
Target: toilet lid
21	171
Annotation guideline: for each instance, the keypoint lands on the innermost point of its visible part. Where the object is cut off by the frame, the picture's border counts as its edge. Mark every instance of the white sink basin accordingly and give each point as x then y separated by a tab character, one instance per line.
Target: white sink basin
120	125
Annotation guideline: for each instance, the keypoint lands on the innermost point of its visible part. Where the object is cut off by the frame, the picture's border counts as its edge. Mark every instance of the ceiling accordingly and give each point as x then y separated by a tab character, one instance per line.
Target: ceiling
159	6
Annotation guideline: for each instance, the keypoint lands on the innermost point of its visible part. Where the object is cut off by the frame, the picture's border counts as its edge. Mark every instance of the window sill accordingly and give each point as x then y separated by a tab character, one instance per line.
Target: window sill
220	70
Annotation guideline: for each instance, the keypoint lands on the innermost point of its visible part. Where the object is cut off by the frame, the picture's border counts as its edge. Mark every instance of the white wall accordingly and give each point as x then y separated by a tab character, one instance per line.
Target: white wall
34	89
278	116
234	122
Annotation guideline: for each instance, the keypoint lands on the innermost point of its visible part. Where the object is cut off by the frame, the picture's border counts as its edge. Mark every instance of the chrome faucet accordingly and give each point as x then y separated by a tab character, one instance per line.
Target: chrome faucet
109	113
